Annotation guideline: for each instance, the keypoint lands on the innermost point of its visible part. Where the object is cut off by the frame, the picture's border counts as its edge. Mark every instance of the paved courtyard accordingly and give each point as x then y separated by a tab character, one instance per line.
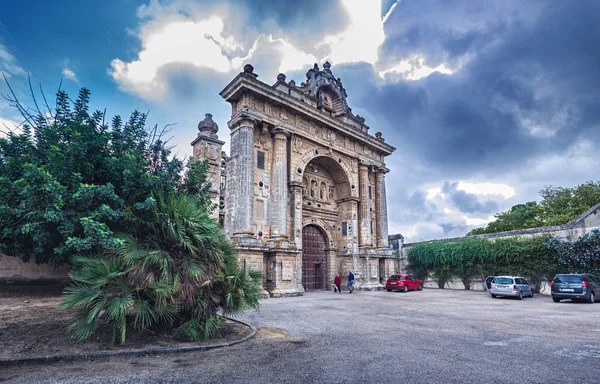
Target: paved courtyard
433	336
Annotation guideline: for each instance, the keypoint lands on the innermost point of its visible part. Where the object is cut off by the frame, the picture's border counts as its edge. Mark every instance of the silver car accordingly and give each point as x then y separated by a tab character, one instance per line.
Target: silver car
515	286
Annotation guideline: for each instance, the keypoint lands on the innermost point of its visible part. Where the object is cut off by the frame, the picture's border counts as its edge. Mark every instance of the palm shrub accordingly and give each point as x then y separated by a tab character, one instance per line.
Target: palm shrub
172	268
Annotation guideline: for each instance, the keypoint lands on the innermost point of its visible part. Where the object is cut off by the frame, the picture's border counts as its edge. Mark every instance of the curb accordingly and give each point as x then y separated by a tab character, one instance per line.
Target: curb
130	352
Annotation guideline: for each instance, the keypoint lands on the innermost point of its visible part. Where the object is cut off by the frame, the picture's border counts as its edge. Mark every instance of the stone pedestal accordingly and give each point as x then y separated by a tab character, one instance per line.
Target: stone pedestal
251	256
284	267
284	272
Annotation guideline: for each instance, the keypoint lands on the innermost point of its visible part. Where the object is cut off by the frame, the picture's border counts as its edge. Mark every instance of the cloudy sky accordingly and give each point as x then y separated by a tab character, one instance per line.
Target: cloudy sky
486	101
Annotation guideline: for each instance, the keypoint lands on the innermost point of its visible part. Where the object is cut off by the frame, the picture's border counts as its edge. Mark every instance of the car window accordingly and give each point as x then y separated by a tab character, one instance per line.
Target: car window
568	279
410	277
519	281
502	280
394	277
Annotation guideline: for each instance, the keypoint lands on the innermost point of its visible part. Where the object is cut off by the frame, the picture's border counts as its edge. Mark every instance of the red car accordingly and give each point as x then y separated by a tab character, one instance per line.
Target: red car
403	282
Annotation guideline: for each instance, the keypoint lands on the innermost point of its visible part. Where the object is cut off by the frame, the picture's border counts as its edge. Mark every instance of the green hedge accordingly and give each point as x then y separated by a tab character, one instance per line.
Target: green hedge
476	258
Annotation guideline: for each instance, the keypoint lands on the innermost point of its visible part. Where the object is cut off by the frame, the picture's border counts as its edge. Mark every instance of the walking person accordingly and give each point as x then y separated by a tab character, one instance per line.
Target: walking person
350	282
338	284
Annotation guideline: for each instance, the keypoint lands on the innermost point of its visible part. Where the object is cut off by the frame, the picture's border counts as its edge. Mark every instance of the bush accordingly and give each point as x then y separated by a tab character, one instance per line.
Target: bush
173	269
581	255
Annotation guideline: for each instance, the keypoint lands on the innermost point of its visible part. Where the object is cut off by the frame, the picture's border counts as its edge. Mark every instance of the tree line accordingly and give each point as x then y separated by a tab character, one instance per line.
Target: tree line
558	206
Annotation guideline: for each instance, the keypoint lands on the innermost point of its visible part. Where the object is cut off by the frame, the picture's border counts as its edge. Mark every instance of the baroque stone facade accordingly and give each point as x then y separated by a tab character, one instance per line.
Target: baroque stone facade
304	187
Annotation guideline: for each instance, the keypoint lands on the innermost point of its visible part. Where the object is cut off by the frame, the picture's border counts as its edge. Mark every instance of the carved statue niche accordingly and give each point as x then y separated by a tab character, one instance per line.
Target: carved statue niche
331	193
304	186
323	192
314	187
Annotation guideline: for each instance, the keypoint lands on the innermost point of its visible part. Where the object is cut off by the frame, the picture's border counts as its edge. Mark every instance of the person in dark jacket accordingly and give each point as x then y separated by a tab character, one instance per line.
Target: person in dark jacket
338	284
350	282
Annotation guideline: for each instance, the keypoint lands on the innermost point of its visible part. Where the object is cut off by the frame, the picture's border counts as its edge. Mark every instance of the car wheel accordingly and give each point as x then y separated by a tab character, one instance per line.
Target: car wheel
389	290
531	293
556	300
493	296
420	287
592	298
405	289
520	295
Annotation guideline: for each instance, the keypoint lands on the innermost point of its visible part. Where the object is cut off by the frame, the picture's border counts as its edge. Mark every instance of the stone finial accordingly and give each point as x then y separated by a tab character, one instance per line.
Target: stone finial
292	83
378	135
281	77
248	68
326	66
208	125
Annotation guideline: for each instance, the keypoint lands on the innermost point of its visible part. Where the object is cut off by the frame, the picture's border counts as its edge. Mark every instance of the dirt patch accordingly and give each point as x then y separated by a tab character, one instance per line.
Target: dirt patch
32	325
277	334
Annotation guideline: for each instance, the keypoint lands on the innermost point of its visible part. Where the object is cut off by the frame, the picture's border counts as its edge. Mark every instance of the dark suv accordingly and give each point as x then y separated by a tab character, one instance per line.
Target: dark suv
575	287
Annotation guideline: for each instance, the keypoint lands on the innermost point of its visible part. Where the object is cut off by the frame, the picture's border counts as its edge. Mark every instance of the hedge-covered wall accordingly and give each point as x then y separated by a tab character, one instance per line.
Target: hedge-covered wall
470	259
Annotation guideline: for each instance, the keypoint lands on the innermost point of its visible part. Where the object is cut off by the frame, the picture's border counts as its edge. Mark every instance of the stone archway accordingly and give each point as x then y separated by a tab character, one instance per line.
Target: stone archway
314	258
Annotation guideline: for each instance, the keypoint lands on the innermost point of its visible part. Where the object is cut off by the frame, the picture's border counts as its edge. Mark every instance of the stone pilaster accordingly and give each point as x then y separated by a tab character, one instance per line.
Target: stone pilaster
279	185
364	208
381	210
296	211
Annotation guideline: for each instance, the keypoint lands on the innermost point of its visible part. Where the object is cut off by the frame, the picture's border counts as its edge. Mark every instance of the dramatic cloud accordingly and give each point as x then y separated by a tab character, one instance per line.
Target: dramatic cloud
487	102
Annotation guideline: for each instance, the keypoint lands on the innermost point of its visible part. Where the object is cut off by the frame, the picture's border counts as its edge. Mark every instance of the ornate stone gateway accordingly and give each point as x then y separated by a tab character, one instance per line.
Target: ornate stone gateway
314	259
302	193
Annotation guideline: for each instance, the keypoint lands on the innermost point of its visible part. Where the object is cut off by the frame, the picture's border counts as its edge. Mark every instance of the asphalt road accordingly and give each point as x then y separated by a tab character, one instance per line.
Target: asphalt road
432	336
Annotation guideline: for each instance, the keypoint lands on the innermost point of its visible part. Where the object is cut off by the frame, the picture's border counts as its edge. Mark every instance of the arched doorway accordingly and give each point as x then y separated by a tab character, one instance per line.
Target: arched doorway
314	259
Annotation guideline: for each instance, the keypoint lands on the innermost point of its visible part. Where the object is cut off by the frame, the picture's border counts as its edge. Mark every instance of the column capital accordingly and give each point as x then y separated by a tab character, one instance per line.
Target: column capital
243	118
380	170
279	129
280	134
295	184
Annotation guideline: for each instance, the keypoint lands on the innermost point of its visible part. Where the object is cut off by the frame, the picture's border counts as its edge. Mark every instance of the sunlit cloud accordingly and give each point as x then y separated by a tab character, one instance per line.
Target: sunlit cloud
291	58
415	68
470	221
179	41
483	189
69	74
361	39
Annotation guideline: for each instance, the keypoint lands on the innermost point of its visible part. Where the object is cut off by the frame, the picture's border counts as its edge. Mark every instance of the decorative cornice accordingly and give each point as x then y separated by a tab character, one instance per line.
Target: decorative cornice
241	83
204	138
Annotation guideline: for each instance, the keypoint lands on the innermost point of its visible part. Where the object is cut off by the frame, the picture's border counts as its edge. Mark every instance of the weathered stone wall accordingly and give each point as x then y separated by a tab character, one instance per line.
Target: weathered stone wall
14	271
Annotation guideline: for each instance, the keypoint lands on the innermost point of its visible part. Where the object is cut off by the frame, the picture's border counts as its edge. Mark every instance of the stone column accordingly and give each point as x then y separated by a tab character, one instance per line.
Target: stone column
242	150
381	210
364	210
279	185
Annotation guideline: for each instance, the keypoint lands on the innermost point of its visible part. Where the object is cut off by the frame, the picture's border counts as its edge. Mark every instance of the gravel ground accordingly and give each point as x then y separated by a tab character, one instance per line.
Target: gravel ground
432	336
